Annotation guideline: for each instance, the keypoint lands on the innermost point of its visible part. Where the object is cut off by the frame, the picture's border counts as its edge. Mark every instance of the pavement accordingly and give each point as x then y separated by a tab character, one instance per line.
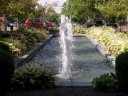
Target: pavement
66	91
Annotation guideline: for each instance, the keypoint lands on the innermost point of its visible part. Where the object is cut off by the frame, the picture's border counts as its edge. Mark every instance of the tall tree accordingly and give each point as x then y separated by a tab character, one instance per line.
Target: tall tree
75	8
80	9
109	9
39	11
4	7
21	9
114	9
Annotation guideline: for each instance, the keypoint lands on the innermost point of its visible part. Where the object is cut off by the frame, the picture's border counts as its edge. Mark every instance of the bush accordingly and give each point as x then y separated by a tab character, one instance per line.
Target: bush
23	39
6	70
3	35
32	77
4	46
54	31
106	82
115	43
122	70
34	26
79	30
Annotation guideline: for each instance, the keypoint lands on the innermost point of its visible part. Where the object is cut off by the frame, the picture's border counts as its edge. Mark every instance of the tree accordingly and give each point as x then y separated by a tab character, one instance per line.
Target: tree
76	9
39	11
114	9
50	13
4	7
21	9
111	10
80	9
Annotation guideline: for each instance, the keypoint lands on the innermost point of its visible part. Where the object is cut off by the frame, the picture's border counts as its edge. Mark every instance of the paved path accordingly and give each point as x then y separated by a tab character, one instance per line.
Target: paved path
66	91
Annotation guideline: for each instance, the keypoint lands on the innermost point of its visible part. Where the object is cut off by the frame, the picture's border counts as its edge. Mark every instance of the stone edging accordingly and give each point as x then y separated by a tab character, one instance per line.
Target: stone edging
19	61
101	49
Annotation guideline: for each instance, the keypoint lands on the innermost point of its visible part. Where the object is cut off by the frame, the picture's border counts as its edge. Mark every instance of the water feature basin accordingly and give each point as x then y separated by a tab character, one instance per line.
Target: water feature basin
86	61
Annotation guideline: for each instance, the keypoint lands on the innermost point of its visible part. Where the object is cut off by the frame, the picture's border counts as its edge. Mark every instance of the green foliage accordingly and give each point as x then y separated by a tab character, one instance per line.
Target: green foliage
3	6
34	25
115	42
22	40
106	82
108	9
32	77
39	11
26	7
3	35
79	9
113	9
4	46
54	31
122	70
55	18
79	30
6	69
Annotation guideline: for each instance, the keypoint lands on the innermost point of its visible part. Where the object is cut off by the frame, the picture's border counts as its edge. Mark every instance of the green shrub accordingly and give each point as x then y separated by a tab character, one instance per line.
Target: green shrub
3	35
21	29
122	70
4	46
6	70
79	30
23	39
106	82
33	25
32	77
54	31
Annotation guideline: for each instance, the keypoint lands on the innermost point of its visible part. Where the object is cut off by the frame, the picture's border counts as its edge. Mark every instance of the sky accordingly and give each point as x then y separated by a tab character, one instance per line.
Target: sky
57	8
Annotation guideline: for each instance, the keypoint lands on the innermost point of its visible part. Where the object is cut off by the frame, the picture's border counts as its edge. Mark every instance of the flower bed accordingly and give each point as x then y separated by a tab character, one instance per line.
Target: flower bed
22	40
115	42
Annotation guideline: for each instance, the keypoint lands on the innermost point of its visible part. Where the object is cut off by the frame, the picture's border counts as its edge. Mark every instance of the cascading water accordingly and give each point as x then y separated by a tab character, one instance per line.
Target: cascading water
66	45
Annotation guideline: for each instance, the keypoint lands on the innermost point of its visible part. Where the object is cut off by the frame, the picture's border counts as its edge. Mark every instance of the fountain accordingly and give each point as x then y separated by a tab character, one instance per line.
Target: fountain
75	60
66	46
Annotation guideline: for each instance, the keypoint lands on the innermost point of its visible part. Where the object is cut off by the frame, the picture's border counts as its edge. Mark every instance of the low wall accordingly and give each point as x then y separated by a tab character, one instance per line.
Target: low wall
101	49
19	61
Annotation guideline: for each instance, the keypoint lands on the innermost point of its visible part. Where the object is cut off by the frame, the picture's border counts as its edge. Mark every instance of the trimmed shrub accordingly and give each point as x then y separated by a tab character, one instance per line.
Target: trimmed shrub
6	70
122	70
106	82
32	77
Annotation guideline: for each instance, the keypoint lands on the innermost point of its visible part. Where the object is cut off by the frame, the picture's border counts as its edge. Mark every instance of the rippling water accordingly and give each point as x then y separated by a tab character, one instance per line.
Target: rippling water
86	60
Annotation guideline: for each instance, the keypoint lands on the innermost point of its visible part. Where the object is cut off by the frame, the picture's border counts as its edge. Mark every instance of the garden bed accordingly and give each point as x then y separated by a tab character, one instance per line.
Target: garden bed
19	61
